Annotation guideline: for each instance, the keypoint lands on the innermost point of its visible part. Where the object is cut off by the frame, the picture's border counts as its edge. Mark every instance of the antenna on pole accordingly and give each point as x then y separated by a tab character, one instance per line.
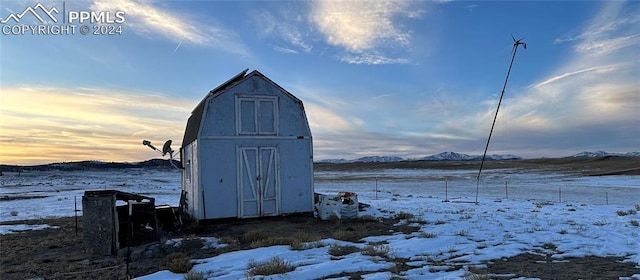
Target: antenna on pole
516	43
166	149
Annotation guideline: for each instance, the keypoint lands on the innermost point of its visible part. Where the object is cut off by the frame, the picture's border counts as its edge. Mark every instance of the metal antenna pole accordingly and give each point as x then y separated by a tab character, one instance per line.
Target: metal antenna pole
516	43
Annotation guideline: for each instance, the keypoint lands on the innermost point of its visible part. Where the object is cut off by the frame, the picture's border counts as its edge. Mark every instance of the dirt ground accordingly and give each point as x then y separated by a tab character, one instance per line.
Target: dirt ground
58	253
585	166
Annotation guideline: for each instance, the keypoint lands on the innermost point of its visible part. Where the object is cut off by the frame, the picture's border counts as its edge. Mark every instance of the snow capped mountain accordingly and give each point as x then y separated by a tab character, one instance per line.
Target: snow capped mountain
363	159
457	156
378	159
503	157
586	154
448	156
438	157
333	160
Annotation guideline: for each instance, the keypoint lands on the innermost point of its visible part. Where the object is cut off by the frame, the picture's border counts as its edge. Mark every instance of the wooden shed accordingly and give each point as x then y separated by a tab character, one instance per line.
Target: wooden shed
247	152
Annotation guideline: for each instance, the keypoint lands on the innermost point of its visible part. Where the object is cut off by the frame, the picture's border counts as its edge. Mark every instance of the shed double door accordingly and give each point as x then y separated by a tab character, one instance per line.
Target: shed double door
258	185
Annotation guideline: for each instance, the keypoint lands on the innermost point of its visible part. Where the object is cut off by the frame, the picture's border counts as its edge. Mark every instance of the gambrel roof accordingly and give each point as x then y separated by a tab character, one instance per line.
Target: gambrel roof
194	122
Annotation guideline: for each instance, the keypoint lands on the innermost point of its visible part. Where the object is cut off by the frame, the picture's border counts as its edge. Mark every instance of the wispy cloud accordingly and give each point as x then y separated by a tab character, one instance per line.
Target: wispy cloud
385	124
359	26
373	59
43	124
361	32
144	17
613	28
592	100
325	112
323	119
603	24
599	69
600	46
340	131
177	47
284	50
288	27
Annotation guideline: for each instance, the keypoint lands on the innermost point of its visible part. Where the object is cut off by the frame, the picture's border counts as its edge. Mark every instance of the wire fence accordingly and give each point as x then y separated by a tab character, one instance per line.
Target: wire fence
619	190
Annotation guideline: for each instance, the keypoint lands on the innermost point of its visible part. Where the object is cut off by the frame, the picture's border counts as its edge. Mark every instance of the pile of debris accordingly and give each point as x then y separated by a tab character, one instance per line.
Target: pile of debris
343	205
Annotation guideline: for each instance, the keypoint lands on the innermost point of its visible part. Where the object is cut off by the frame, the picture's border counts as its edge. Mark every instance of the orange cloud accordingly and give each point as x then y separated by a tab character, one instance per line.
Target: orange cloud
42	125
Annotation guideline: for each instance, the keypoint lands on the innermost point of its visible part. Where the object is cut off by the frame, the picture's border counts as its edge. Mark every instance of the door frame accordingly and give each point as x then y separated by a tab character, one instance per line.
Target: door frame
258	186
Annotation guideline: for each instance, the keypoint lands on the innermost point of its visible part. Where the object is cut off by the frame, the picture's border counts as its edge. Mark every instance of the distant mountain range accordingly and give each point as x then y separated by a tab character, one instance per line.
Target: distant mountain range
457	156
586	154
364	159
446	156
164	163
453	156
90	165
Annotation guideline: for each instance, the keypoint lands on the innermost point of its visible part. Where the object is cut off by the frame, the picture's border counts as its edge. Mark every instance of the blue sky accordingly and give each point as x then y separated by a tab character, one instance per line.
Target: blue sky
404	78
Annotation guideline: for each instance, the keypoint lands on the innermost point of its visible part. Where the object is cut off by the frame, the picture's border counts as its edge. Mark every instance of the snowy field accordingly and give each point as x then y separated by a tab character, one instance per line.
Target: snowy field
517	212
44	194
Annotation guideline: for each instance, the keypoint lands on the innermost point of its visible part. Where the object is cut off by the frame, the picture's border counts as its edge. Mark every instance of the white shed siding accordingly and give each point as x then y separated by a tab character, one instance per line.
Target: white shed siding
219	117
196	190
252	137
191	180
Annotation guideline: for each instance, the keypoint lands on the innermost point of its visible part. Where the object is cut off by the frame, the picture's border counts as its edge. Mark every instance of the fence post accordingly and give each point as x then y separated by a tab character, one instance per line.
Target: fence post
506	190
376	187
75	211
559	194
446	190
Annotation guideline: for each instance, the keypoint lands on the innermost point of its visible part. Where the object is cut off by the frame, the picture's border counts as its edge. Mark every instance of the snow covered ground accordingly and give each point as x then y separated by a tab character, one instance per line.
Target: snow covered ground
579	216
35	195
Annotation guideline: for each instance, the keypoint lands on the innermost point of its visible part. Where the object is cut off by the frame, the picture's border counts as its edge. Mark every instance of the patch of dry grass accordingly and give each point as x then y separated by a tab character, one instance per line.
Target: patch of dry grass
228	239
405	215
380	250
275	265
337	250
302	240
368	218
178	263
192	275
543	203
600	223
475	276
298	241
625	213
253	235
427	235
345	235
270	241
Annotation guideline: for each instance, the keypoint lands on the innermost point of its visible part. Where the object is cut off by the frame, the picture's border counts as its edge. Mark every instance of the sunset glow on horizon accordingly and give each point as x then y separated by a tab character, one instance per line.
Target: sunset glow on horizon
396	78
